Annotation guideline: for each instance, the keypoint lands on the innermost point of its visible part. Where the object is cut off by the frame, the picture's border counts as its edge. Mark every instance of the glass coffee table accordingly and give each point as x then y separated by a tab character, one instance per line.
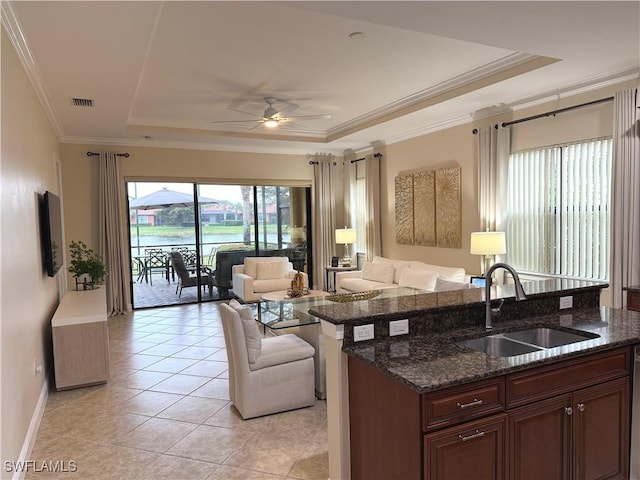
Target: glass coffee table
290	315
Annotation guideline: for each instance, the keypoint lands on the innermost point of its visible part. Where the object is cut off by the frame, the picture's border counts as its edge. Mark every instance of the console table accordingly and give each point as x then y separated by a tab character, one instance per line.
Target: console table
81	339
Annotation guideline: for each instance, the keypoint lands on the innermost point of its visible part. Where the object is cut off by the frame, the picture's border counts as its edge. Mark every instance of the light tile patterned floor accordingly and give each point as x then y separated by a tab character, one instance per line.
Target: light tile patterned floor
166	414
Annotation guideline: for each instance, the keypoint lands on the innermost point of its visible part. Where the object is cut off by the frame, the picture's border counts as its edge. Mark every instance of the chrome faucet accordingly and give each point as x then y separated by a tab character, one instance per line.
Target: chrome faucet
491	312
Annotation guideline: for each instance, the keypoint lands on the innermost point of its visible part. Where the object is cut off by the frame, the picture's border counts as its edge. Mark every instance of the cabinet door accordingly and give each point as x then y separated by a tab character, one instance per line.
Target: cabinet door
540	440
474	450
601	431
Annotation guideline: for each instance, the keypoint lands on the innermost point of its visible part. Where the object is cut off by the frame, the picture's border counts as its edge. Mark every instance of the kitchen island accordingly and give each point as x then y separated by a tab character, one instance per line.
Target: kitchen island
425	405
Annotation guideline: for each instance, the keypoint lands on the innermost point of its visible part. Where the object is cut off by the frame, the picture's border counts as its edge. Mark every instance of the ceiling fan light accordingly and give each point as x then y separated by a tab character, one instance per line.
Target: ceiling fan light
271	123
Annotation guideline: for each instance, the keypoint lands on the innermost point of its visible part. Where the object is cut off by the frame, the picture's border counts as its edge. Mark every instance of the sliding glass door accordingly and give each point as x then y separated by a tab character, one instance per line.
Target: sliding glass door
186	237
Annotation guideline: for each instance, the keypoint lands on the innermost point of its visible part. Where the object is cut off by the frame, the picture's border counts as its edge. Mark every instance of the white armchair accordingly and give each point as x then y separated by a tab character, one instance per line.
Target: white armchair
266	375
260	275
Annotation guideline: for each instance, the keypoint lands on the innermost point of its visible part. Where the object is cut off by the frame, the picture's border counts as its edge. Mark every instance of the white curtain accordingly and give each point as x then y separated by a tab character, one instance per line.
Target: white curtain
625	223
372	203
494	144
323	214
112	236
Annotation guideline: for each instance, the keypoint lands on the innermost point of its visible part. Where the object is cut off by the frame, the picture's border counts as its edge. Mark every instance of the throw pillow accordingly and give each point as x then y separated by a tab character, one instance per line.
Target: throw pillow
443	285
252	336
269	271
418	278
378	272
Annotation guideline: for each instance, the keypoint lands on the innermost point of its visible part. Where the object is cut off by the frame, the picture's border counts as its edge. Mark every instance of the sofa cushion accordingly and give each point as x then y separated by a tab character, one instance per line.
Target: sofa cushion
378	272
361	285
443	285
263	286
269	270
251	264
418	278
398	266
282	349
453	274
252	336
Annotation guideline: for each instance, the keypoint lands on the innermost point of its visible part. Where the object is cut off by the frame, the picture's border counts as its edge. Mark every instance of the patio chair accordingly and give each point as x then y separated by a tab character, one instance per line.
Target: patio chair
187	277
155	261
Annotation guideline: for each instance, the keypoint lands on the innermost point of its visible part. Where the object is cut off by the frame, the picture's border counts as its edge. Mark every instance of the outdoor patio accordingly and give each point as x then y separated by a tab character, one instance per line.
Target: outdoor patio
162	293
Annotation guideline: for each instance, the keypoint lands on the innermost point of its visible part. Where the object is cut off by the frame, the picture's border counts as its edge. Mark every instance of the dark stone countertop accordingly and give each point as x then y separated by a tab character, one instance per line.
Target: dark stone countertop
427	362
632	289
395	302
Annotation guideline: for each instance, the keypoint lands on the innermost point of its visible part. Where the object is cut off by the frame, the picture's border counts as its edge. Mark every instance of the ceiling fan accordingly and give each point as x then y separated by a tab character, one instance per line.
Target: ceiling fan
273	117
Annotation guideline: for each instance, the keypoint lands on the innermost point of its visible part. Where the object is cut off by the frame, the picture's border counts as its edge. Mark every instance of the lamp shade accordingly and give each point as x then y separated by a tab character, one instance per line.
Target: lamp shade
488	243
345	235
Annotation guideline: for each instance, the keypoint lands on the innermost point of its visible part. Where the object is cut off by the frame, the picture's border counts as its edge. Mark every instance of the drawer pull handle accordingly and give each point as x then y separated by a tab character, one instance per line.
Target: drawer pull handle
478	434
581	407
568	410
475	403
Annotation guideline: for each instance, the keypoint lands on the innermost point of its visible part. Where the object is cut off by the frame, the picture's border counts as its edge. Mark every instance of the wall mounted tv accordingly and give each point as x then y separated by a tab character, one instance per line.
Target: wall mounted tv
51	229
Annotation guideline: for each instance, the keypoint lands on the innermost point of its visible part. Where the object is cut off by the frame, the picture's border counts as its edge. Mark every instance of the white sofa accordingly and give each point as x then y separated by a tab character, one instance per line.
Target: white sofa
387	273
260	275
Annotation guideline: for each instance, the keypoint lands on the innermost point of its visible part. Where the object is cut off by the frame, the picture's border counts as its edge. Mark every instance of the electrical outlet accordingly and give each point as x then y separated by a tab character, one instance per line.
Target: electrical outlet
399	327
363	332
566	302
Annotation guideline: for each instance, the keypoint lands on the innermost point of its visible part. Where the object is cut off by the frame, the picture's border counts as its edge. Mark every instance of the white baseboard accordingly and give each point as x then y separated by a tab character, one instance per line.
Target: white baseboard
32	433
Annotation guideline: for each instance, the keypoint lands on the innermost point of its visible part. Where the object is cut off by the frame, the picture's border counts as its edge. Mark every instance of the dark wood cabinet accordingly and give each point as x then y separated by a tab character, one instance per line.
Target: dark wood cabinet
601	431
474	450
633	301
541	431
566	420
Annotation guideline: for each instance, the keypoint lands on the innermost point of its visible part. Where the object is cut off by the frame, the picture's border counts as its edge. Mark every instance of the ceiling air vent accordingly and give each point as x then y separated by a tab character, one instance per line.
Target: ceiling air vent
82	102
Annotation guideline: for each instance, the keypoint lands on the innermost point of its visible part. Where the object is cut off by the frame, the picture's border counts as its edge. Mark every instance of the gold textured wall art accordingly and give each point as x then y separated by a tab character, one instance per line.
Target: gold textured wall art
448	208
428	208
424	207
404	209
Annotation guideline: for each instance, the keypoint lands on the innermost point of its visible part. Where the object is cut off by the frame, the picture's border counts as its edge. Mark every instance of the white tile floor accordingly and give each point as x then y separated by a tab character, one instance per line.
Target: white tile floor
166	414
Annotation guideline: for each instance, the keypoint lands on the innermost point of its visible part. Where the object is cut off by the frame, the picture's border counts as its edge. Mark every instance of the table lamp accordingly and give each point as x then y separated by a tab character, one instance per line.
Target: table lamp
346	236
488	244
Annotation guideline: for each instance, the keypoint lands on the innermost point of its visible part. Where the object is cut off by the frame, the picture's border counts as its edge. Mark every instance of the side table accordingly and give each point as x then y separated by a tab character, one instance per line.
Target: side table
329	268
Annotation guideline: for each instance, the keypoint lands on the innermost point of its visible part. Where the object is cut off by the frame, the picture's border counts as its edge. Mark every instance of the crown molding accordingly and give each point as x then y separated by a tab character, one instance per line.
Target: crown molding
21	47
510	65
153	143
595	83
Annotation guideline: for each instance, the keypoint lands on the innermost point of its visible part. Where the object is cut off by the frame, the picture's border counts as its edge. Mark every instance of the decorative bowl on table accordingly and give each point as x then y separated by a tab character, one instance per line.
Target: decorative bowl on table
353	297
295	293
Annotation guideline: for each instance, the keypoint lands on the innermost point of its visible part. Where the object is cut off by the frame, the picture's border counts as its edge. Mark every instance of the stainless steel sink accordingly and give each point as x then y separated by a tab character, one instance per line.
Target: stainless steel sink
548	337
499	346
526	341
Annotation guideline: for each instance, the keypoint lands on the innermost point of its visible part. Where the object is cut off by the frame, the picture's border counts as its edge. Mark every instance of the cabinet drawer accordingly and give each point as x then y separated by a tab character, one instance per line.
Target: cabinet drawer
458	404
563	377
473	450
633	301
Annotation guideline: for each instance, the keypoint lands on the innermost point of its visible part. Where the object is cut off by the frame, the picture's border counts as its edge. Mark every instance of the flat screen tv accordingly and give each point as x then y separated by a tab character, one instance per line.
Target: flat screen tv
51	228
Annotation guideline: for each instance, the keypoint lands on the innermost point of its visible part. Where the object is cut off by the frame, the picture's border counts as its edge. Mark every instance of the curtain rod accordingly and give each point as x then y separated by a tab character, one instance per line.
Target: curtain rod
95	154
312	162
554	112
377	155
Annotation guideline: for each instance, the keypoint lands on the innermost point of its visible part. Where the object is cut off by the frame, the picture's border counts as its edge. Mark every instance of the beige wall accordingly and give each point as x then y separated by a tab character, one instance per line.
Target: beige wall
458	146
29	296
80	176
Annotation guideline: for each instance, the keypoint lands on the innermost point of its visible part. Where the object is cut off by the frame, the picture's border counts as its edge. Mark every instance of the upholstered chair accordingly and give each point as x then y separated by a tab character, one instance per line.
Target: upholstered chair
266	375
260	275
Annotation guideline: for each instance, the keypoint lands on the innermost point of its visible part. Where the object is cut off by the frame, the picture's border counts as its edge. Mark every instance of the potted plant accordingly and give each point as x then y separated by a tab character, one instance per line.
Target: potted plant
86	265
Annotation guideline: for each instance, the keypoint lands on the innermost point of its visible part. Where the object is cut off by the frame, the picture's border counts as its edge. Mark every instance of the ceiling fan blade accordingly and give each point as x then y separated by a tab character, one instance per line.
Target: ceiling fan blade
241	111
249	93
288	109
325	116
237	121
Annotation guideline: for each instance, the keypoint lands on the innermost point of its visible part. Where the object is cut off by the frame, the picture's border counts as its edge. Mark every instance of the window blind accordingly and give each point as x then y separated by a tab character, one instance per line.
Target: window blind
558	210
